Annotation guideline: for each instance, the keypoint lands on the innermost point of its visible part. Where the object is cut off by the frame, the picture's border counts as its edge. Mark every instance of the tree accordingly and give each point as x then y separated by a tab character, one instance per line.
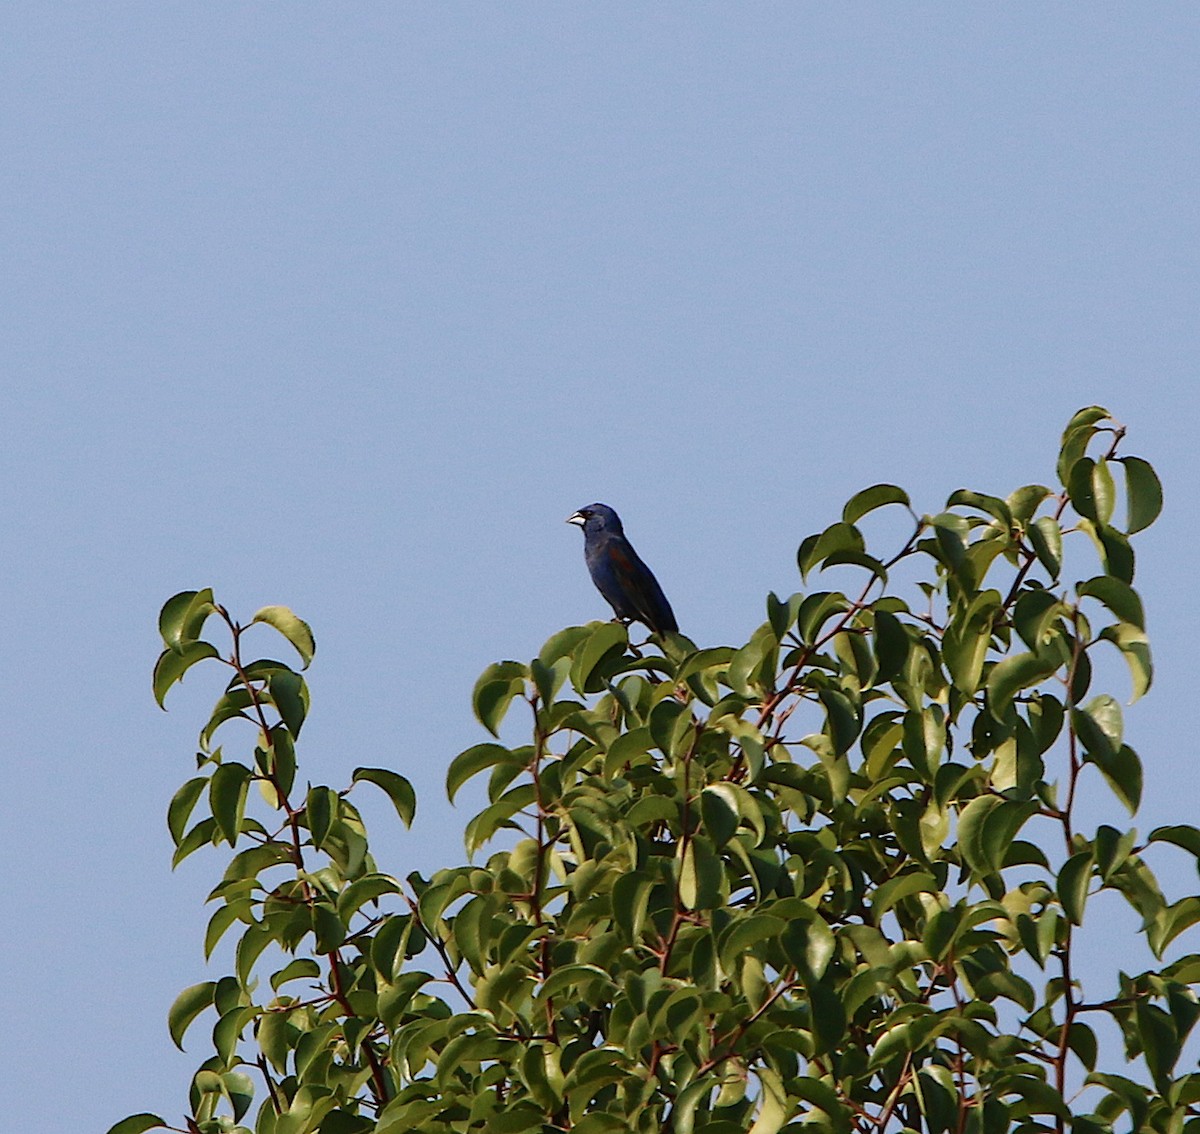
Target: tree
833	879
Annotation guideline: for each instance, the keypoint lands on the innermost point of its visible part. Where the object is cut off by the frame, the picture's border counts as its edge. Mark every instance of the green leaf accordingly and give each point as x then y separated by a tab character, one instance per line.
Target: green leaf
700	875
773	1102
289	693
1132	1096
1184	837
173	664
328	929
1118	596
718	813
809	944
302	968
294	629
239	1090
547	680
343	1122
227	797
828	1016
971	825
321	807
892	644
1034	614
1160	1043
1012	675
815	611
853	558
1116	554
897	889
499	814
840	537
877	496
181	806
363	890
473	761
137	1124
1081	488
1046	536
1104	491
182	617
1172	921
1025	501
605	644
626	750
1143	494
780	614
395	786
990	505
202	834
188	1005
630	896
1072	885
744	933
562	644
824	1099
1078	433
1135	649
249	949
1123	770
1100	726
494	692
843	722
219	923
968	638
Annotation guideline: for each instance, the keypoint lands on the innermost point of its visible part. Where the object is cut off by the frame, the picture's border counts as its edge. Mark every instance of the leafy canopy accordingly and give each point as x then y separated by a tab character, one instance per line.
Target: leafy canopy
832	879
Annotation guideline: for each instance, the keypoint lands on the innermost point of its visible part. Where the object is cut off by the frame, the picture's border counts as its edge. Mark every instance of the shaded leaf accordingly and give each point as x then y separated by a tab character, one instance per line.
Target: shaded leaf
473	761
227	797
1072	885
289	693
188	1005
1144	495
1135	649
1046	536
181	806
394	786
173	664
137	1124
494	692
1118	596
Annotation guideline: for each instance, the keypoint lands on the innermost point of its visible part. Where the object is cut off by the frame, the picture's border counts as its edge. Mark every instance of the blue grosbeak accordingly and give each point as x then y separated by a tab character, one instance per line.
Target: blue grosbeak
620	576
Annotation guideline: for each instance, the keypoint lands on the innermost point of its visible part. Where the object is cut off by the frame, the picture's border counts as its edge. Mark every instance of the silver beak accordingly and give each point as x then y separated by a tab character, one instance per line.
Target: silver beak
577	518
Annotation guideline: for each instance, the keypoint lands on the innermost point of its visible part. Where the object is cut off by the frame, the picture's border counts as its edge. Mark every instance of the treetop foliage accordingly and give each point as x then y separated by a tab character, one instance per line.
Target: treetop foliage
833	879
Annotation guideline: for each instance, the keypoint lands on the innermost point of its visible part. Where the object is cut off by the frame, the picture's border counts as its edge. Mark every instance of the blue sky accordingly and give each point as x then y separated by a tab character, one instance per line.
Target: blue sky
346	307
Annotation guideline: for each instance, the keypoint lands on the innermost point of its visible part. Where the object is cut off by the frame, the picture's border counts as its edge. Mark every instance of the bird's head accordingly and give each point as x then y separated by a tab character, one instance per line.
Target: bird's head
596	518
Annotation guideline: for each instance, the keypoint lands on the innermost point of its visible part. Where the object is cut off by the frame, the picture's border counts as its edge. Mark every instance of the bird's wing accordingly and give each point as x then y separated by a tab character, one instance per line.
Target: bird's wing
639	587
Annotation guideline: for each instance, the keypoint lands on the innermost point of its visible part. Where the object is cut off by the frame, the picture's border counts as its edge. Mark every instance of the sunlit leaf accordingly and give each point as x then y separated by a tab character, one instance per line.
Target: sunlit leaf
294	629
173	664
183	617
1014	674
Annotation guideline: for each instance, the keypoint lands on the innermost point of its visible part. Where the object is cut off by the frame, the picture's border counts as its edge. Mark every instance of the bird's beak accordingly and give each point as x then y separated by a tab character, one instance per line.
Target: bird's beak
577	518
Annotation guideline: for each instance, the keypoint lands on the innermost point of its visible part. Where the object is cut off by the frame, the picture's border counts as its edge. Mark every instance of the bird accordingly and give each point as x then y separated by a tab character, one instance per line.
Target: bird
626	583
